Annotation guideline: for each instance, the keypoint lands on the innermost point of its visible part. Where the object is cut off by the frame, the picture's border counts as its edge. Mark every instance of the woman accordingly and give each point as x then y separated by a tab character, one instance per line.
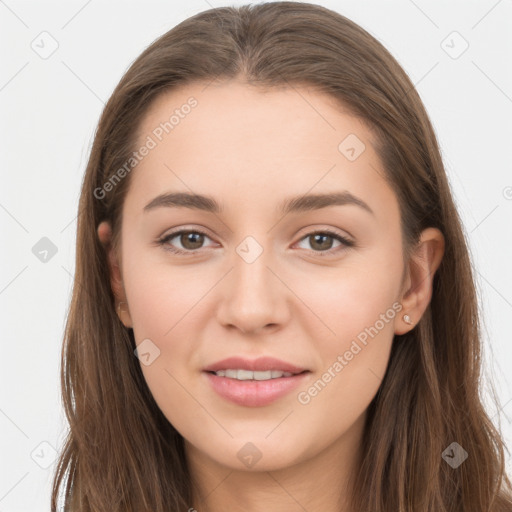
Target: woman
274	306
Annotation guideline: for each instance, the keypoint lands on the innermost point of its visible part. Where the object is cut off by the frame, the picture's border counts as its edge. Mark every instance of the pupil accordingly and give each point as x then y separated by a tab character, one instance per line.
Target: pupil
195	239
321	246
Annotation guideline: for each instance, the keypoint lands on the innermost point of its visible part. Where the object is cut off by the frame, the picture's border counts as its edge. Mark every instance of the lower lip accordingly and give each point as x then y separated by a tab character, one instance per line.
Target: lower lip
254	393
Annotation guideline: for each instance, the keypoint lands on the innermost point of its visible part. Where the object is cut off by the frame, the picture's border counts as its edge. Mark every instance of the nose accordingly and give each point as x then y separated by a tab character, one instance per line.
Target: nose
253	298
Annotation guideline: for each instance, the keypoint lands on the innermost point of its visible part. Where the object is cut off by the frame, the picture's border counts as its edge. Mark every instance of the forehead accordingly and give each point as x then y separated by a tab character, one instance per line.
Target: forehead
254	145
290	121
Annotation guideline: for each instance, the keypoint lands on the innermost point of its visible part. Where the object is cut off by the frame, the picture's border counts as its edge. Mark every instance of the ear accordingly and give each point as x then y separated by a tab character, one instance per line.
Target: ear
417	290
116	280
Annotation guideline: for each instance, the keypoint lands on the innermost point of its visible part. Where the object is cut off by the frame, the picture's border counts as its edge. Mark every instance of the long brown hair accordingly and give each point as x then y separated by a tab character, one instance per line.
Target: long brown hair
121	453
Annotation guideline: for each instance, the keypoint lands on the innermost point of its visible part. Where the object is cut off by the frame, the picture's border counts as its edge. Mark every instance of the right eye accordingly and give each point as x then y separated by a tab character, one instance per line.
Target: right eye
190	240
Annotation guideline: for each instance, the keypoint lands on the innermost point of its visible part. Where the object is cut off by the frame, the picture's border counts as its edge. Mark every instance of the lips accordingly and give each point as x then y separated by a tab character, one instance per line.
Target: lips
254	392
260	364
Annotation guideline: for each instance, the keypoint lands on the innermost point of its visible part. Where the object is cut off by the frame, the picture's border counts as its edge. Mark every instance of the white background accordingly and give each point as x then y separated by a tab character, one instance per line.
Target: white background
49	109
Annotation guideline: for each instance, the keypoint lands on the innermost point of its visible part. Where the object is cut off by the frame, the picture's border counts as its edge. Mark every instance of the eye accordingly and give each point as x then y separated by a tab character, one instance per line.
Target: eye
190	240
321	241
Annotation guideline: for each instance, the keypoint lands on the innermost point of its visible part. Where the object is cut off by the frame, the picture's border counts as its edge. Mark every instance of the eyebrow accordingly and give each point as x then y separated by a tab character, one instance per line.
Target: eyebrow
290	205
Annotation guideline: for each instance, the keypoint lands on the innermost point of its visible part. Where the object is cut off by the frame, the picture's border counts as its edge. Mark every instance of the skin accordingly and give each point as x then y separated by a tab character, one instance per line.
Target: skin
250	150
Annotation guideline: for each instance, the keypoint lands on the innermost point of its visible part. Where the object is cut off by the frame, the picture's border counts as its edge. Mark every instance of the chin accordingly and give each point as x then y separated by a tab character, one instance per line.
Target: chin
251	453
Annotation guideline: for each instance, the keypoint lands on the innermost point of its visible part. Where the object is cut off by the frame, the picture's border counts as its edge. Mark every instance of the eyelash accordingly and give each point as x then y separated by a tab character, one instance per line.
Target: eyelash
344	241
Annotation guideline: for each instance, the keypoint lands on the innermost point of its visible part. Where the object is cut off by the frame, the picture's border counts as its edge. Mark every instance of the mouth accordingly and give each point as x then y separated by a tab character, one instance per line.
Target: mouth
254	388
240	374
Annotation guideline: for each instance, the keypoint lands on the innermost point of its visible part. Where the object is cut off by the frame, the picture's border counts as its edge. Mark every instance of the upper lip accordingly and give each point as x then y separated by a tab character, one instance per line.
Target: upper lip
255	365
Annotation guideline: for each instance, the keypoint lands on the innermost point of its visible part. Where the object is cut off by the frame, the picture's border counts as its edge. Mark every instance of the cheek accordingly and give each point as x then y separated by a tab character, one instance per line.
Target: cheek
164	305
353	365
164	308
360	306
162	296
353	299
165	319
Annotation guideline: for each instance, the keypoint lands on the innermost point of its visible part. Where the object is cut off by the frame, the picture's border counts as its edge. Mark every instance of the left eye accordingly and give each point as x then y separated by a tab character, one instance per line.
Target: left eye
193	240
323	241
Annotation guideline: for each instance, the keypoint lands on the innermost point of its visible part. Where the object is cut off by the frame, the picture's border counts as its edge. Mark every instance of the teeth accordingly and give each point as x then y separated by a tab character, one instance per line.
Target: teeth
248	375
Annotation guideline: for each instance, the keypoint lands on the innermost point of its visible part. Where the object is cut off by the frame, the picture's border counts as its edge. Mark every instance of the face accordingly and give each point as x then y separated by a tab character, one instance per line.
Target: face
268	273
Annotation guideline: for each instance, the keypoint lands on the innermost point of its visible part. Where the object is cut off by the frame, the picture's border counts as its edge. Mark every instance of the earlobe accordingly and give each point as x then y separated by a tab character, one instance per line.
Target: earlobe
423	265
124	314
104	232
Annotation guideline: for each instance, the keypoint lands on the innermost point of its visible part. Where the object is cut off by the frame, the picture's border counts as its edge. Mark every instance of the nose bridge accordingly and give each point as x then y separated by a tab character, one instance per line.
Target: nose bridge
252	277
252	297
